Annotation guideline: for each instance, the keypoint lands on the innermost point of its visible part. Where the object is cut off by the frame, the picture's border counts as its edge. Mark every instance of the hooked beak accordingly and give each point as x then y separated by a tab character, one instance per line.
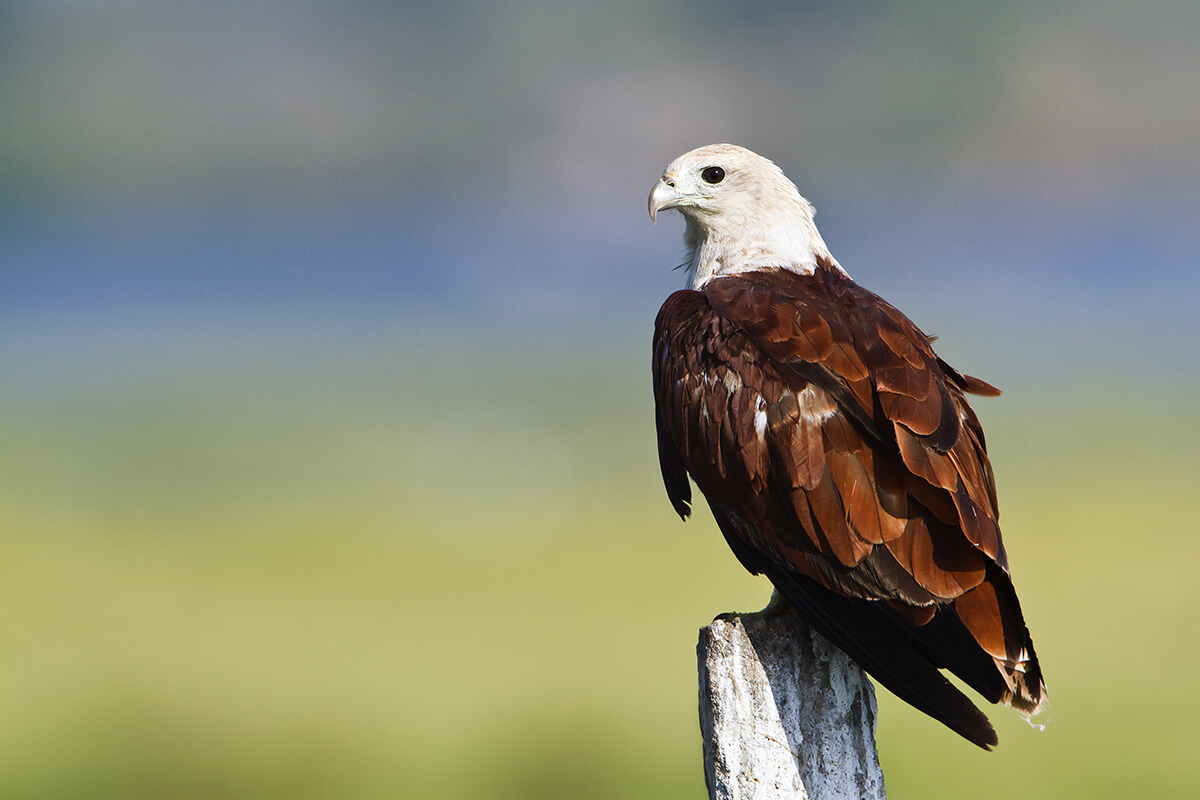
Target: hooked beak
663	196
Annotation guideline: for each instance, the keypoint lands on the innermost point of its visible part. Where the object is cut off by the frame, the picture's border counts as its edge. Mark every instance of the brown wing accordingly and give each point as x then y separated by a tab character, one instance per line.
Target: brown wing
840	458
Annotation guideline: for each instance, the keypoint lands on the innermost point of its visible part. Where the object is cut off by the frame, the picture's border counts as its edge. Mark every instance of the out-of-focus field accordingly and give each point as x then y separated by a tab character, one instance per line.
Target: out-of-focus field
327	463
366	565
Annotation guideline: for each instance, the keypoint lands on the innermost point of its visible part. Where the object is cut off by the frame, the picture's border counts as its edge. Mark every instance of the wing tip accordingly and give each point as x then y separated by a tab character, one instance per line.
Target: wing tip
904	671
683	508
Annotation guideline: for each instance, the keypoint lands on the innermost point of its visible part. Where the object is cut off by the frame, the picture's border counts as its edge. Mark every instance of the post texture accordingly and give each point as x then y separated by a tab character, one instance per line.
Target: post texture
784	714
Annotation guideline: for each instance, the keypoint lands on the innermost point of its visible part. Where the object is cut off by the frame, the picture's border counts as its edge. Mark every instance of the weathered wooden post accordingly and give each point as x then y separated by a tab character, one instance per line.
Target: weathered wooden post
783	713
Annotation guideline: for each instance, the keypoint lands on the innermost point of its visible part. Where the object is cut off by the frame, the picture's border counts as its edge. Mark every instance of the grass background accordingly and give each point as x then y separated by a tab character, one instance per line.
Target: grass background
326	458
240	588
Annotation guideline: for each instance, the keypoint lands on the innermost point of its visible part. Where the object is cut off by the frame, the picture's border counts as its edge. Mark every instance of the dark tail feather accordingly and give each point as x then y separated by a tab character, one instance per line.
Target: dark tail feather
879	647
904	665
947	643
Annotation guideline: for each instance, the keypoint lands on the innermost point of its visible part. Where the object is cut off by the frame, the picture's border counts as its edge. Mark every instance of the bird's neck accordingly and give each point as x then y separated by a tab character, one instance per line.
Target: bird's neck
794	245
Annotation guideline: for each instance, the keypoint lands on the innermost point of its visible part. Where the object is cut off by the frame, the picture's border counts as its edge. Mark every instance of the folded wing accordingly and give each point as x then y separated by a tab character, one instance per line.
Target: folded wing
841	459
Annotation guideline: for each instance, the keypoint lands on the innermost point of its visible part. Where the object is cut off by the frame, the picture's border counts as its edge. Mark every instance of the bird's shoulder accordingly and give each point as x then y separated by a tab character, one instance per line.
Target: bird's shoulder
862	344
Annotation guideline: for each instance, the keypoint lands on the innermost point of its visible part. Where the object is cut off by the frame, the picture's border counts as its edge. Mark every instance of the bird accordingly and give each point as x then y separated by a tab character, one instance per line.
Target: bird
837	451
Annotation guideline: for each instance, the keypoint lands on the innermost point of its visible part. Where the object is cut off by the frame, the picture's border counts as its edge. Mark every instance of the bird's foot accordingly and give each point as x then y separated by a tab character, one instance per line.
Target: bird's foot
778	606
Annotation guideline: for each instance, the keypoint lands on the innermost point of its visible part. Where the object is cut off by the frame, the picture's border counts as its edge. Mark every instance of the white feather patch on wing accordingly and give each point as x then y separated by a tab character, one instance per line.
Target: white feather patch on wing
815	405
760	418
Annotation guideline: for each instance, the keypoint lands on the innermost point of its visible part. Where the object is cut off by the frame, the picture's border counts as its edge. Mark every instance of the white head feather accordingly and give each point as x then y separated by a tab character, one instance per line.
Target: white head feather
742	214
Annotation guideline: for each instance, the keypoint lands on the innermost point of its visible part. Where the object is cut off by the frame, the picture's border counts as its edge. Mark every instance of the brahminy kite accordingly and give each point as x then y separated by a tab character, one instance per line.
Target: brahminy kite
836	450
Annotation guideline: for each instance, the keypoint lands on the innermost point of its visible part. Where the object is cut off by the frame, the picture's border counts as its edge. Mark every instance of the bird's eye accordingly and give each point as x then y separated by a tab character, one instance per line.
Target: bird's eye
713	174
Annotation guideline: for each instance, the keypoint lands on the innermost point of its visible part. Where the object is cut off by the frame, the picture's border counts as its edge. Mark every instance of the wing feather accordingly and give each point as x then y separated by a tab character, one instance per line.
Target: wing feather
836	448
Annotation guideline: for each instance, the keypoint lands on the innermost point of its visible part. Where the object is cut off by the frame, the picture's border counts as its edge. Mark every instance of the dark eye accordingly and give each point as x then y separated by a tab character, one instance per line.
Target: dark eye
713	174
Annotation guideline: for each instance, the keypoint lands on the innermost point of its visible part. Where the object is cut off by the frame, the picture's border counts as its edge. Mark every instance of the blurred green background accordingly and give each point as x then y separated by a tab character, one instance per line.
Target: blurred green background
327	461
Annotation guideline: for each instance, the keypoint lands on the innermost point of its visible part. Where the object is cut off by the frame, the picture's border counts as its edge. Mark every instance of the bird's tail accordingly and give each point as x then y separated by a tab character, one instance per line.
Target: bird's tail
865	633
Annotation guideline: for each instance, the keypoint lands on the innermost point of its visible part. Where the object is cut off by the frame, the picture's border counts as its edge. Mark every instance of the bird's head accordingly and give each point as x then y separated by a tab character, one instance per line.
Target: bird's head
742	213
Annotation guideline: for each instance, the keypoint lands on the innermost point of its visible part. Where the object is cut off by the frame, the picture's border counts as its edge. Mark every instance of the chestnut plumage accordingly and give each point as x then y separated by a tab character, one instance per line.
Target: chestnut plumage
841	459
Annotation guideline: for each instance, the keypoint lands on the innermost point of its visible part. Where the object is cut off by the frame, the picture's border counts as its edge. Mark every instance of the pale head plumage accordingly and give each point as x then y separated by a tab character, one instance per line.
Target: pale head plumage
742	213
